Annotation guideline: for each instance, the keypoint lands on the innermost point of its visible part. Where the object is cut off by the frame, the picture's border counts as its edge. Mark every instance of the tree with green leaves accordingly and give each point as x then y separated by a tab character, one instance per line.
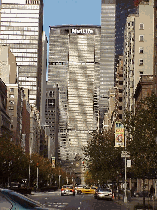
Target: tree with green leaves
104	160
13	162
141	133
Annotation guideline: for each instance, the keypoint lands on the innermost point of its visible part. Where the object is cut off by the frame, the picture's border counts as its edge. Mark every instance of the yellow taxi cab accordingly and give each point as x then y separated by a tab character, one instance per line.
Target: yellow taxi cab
89	190
67	190
79	188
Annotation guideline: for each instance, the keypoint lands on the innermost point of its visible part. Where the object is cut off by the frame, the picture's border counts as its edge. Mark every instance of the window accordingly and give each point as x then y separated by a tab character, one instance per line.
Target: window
11	96
141	38
11	108
51	93
141	72
120	116
12	90
120	99
11	102
141	26
51	102
141	62
141	50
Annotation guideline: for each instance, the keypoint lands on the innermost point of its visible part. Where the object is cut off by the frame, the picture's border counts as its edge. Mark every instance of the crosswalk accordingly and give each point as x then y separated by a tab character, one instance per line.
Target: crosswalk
55	205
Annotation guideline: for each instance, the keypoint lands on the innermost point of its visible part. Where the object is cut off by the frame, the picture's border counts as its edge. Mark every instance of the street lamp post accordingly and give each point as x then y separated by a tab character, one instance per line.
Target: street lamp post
59	180
30	152
37	175
125	197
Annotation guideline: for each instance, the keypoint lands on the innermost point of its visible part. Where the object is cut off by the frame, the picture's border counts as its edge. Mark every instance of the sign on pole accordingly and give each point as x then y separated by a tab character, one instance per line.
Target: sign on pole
128	163
119	134
125	154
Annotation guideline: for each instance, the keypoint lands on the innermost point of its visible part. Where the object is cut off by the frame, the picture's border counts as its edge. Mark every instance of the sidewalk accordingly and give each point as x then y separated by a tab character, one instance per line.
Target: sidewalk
134	201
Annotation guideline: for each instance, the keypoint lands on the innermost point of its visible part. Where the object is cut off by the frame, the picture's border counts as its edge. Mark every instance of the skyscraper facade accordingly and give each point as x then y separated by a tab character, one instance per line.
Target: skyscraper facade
107	53
21	29
74	62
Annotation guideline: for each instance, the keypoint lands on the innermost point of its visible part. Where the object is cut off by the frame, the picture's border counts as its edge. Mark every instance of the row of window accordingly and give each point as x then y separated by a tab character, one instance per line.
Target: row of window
32	1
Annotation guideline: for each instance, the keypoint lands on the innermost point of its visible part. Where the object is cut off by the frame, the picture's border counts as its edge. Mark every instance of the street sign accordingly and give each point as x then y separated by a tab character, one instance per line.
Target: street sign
128	163
125	154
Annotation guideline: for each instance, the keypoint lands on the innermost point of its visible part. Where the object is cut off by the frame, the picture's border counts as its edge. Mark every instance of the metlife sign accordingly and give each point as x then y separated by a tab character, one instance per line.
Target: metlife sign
82	31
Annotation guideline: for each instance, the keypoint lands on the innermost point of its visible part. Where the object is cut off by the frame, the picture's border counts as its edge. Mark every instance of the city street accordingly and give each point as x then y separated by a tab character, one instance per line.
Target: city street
83	202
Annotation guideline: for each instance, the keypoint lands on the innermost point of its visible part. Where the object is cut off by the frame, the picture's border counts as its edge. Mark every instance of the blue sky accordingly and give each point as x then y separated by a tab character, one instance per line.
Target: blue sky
76	12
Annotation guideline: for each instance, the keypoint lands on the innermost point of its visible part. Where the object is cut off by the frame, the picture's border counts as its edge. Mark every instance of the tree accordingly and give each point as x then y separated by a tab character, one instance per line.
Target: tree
88	178
13	162
104	160
45	169
141	129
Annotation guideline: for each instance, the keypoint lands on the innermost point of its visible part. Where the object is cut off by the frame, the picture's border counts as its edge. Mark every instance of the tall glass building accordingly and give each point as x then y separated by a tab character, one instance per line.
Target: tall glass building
107	53
74	63
21	29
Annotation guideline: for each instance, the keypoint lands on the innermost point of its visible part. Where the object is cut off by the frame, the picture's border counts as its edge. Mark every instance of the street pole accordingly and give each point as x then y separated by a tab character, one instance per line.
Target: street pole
37	175
29	168
125	197
59	181
29	174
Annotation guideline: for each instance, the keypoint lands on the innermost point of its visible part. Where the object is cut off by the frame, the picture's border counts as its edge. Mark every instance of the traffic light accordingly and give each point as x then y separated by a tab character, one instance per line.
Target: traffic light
37	164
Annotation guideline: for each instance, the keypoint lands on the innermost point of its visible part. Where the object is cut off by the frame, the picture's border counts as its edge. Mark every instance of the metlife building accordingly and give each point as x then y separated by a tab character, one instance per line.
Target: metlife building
74	64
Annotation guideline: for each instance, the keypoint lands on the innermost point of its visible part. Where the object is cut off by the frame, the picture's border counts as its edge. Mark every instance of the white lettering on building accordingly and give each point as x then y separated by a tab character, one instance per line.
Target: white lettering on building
82	31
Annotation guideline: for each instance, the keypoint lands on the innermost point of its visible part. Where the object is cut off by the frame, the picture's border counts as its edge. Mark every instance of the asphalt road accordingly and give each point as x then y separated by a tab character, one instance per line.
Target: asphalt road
54	200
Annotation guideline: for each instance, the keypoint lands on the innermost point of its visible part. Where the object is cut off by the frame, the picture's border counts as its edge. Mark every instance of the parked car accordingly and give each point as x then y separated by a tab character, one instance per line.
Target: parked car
103	193
67	190
19	201
141	194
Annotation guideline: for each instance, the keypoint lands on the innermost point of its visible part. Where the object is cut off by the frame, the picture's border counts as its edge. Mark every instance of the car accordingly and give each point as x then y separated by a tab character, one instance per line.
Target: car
67	190
89	190
79	188
144	193
19	201
103	193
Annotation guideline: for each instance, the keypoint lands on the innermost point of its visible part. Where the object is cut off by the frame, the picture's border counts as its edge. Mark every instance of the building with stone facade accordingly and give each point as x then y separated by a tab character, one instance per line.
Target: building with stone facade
9	71
4	117
52	119
8	67
25	130
144	88
15	111
138	50
120	89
